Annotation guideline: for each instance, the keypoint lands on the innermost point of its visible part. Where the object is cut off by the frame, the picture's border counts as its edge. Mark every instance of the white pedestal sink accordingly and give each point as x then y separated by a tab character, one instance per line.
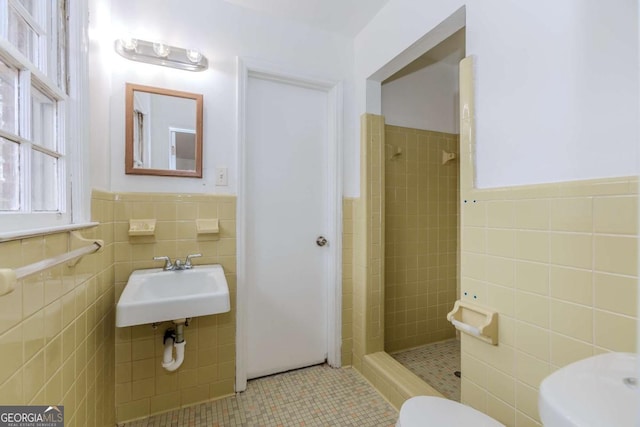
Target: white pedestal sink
154	295
598	391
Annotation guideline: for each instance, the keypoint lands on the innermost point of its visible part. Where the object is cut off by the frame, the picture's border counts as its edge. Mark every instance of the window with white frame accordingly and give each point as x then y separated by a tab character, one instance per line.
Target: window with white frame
34	103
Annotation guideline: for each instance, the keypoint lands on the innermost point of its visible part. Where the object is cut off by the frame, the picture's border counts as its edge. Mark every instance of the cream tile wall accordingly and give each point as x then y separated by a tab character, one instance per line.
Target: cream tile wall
558	262
375	235
56	327
368	244
143	387
359	284
421	233
347	281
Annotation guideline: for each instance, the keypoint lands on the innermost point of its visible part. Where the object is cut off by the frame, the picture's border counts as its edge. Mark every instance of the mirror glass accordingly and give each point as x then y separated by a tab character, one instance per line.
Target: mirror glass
163	132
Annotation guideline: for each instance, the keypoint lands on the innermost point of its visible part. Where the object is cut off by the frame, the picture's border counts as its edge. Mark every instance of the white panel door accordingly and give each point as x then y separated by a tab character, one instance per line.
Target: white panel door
286	211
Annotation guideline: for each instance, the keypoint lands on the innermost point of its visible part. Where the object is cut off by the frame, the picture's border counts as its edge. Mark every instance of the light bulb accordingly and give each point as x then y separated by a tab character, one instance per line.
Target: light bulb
129	43
161	49
194	56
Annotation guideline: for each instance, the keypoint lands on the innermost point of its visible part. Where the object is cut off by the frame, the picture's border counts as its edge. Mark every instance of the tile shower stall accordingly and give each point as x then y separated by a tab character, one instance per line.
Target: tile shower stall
421	235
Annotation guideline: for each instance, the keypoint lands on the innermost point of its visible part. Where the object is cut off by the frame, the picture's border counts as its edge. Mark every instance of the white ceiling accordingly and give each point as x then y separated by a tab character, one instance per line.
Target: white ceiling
346	17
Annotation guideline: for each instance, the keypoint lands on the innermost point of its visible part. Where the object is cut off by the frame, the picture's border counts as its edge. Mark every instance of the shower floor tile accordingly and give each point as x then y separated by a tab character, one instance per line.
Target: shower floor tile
315	396
435	363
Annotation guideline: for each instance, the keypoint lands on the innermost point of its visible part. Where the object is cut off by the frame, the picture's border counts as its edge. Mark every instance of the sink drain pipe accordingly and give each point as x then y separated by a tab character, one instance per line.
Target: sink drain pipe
174	339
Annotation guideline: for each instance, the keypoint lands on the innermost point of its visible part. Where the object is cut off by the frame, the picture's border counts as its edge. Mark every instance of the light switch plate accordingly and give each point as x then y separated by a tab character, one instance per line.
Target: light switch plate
221	177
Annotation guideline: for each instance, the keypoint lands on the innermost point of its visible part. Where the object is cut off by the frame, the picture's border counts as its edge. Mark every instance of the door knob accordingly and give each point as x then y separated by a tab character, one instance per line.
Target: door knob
321	241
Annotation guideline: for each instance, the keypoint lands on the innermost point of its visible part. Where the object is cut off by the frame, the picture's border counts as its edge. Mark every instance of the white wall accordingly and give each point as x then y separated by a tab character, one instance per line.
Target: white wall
100	92
557	83
222	32
426	99
556	92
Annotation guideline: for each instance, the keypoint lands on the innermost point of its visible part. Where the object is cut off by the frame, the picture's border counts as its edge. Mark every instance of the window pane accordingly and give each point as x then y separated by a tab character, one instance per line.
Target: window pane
22	36
43	116
8	99
31	6
39	11
58	63
44	182
9	175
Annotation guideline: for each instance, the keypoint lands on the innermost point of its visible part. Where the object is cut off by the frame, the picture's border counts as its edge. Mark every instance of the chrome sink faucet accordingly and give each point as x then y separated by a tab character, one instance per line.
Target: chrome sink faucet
168	265
178	264
187	262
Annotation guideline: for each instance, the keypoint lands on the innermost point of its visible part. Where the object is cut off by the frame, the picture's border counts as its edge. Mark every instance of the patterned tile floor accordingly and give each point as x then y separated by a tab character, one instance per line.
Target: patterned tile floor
315	396
435	363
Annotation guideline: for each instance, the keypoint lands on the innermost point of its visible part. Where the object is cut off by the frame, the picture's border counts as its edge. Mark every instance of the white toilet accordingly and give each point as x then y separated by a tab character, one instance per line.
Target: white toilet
600	390
431	411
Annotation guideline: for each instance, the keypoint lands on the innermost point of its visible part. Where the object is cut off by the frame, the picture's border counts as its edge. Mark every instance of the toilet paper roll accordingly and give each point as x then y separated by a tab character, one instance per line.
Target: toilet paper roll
7	280
471	330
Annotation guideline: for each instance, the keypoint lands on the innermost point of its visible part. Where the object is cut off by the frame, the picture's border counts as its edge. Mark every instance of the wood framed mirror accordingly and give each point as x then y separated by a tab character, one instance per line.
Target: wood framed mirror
163	132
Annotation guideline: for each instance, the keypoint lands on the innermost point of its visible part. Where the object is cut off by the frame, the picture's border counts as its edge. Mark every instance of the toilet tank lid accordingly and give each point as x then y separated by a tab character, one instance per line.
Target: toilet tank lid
439	412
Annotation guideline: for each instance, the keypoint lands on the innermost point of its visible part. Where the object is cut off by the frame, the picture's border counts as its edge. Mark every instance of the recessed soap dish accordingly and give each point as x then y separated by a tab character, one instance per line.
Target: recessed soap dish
207	226
142	227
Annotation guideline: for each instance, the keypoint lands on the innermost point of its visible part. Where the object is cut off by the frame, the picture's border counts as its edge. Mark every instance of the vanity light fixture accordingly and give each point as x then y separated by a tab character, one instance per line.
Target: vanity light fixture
129	43
161	54
194	56
161	49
